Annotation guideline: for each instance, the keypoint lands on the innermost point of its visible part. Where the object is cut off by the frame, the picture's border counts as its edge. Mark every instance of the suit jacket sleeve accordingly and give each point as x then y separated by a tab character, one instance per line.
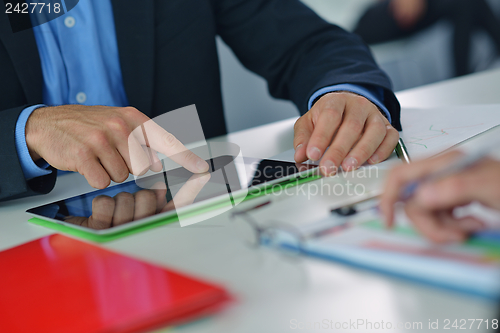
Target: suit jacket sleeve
12	181
20	86
296	51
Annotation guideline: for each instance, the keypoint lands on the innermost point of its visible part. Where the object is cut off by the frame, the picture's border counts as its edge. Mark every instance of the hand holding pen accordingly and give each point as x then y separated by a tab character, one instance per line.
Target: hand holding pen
433	188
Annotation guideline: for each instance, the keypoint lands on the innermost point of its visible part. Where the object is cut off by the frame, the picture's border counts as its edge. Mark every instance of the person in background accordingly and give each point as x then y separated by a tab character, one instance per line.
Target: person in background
394	19
431	207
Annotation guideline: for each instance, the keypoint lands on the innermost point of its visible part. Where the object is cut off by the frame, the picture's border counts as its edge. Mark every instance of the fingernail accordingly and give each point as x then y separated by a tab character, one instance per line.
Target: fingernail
202	166
330	168
350	163
374	159
296	151
314	154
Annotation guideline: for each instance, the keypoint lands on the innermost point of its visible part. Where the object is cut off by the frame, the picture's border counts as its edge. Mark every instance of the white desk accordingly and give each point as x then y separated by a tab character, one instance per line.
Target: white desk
272	289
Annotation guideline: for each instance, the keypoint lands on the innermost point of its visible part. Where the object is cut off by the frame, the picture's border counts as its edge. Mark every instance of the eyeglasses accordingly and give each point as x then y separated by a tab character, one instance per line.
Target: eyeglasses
275	234
291	239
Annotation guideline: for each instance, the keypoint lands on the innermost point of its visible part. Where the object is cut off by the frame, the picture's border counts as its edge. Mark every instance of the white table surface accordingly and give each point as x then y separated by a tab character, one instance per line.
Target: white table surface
271	289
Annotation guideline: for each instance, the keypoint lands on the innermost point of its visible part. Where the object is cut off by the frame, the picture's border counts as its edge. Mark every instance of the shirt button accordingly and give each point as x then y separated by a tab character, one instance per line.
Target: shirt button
81	97
69	21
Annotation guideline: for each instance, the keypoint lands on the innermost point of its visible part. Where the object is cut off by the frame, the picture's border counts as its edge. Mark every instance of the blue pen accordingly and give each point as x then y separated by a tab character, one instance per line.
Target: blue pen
487	235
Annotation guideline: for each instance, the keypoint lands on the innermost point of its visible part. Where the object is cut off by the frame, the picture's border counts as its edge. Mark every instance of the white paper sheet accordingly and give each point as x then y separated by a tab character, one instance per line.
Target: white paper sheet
428	132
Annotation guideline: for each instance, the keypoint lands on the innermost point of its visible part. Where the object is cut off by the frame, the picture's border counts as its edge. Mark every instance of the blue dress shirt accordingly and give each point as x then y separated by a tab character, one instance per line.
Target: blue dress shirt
80	65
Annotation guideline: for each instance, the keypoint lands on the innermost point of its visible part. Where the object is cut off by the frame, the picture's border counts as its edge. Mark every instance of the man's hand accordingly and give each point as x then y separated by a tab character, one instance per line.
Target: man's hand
103	143
126	207
343	121
431	207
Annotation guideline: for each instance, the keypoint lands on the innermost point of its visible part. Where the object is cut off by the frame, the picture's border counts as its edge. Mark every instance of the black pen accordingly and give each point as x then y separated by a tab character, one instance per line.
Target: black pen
402	152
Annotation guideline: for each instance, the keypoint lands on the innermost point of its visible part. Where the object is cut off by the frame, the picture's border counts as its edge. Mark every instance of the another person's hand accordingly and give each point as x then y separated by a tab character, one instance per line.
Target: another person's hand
103	143
343	121
125	207
432	205
408	12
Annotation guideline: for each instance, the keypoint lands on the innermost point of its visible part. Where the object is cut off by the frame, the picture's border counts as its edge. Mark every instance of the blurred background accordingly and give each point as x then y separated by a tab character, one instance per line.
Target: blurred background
423	52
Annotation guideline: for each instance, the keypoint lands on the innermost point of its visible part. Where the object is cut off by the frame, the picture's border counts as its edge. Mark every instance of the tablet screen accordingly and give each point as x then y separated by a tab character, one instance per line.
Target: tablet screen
163	192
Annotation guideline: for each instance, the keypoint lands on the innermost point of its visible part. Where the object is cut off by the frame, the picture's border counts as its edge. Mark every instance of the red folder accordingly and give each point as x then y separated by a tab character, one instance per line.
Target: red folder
59	284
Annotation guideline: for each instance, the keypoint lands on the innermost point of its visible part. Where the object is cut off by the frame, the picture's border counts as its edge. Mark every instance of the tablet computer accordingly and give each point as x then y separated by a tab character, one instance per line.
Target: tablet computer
173	192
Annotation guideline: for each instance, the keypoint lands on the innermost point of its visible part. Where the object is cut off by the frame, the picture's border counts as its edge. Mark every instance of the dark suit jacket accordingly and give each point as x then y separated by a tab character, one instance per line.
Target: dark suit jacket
169	60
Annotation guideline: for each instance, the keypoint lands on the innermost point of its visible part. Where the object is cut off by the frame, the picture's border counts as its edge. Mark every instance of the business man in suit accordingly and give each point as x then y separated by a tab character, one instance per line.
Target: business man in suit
66	85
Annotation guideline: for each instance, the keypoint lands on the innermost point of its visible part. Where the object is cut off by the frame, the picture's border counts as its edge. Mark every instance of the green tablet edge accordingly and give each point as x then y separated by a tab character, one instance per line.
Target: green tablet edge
171	219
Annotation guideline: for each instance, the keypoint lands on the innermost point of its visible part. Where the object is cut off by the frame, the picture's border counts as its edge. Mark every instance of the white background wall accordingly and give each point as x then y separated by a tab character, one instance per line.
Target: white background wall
422	59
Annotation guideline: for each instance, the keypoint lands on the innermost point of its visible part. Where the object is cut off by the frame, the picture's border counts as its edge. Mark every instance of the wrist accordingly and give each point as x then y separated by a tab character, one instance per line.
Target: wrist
356	94
32	133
